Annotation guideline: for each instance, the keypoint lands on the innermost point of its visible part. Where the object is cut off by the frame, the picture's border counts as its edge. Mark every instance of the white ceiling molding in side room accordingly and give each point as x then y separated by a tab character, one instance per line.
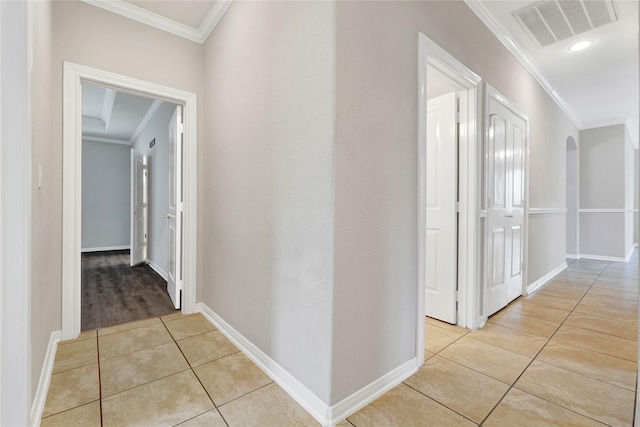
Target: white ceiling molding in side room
107	140
146	119
107	107
198	35
524	58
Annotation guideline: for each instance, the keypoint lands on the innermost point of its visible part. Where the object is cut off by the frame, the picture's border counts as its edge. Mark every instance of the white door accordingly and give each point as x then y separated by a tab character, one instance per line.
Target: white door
138	232
442	190
506	153
174	215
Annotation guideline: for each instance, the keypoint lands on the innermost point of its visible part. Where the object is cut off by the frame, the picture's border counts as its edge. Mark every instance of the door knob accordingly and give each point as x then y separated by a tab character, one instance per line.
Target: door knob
168	216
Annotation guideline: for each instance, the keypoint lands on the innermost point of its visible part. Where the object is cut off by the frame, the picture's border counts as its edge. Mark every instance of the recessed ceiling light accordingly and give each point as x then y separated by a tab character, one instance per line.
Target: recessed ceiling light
580	45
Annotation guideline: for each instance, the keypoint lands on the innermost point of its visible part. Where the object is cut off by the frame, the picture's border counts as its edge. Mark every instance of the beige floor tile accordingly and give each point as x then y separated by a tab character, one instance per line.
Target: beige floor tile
72	388
618	272
563	303
230	377
86	416
595	399
189	326
607	301
168	401
427	355
599	366
75	354
404	406
576	276
616	285
586	268
344	423
128	326
206	347
84	335
606	326
612	313
133	369
448	326
568	284
509	339
563	291
174	316
541	312
599	342
619	281
436	338
208	419
269	406
532	325
523	409
616	293
500	364
461	389
129	341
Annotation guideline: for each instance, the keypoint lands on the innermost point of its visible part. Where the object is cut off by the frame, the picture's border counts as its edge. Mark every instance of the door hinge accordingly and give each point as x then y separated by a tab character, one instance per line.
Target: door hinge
457	207
457	296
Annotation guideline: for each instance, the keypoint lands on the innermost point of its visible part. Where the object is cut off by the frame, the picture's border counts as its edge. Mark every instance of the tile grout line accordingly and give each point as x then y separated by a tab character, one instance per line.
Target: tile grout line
194	373
439	403
99	379
538	353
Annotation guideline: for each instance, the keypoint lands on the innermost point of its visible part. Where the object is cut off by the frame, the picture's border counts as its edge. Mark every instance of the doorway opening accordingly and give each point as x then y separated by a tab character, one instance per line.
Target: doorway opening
75	76
126	184
462	291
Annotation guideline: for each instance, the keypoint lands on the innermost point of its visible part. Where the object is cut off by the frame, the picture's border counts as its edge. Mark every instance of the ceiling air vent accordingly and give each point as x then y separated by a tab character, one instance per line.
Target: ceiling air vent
551	21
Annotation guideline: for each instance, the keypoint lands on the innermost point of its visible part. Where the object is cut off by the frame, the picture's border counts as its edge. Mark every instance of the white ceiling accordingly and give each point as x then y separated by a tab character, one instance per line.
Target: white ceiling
598	86
116	117
595	87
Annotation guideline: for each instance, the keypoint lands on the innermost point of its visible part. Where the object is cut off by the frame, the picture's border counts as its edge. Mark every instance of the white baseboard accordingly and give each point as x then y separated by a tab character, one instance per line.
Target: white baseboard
544	279
572	256
323	413
630	253
45	378
157	269
105	248
604	258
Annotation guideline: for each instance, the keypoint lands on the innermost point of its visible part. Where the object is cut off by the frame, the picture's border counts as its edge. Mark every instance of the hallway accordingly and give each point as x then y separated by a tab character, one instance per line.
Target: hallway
565	355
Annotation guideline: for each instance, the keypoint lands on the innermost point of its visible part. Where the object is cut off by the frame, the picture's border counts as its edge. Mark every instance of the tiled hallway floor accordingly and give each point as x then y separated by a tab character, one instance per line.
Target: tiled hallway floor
564	356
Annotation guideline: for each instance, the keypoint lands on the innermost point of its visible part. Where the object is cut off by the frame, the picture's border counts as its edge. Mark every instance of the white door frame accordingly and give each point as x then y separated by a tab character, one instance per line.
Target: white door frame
492	93
468	85
74	75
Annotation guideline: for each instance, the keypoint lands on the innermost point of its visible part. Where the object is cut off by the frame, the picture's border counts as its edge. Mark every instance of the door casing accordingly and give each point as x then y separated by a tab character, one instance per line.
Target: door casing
73	77
468	85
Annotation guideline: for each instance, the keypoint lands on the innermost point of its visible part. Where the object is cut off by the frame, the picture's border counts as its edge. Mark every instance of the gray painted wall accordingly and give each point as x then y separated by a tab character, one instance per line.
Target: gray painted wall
607	168
572	198
158	161
106	200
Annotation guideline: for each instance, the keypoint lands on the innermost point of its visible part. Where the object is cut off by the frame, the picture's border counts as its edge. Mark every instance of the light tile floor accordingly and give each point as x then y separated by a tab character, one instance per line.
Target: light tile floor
564	356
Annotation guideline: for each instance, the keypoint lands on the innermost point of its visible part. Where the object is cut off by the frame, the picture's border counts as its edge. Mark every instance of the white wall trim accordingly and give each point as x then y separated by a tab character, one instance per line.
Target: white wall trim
523	57
74	75
107	140
572	256
106	248
603	258
16	56
198	35
323	413
605	210
157	269
45	378
539	211
544	279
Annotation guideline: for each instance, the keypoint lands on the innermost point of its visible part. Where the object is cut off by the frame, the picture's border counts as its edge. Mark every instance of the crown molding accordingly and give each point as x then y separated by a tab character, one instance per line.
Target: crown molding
153	108
198	35
107	140
523	57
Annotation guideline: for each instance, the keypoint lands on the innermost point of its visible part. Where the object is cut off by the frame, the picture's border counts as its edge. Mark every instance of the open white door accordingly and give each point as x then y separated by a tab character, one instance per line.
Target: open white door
175	215
139	207
506	156
442	190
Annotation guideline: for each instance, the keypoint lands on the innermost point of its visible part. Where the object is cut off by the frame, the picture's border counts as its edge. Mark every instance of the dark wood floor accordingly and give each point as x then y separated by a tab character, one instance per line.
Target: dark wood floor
113	292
